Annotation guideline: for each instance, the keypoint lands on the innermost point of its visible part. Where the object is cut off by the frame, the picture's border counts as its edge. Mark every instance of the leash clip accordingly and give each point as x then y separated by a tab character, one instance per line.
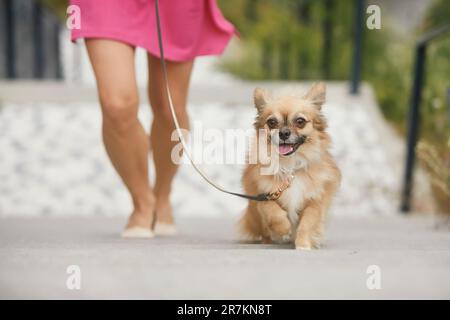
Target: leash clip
277	194
274	195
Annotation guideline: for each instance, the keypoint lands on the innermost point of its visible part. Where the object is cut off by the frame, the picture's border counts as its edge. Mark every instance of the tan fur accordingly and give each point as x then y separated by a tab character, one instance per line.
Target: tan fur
298	215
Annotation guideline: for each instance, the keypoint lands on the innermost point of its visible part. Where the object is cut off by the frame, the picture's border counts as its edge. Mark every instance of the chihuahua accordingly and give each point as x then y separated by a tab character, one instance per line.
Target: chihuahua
306	176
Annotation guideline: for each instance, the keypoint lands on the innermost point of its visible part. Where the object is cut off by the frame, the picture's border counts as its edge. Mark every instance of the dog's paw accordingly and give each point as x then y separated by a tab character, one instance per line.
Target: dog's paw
308	241
280	231
308	245
305	248
304	244
281	238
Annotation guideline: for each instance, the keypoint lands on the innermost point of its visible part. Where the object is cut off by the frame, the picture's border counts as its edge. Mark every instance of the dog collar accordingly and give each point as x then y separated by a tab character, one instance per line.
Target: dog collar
277	193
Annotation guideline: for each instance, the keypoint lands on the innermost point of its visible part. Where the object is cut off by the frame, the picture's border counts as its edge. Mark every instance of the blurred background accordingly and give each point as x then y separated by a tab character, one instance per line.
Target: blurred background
52	160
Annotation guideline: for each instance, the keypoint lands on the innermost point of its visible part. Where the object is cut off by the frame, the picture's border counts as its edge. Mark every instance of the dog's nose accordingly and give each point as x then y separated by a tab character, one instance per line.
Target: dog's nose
284	133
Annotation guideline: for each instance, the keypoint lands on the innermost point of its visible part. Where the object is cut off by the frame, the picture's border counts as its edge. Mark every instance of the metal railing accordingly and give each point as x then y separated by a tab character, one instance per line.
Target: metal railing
357	47
414	111
29	40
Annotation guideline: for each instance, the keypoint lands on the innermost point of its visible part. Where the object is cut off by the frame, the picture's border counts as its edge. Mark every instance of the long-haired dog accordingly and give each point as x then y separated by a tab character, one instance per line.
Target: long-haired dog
306	178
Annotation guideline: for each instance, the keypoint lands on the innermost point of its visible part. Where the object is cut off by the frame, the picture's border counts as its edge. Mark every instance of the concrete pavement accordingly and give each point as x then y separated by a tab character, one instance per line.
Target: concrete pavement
207	261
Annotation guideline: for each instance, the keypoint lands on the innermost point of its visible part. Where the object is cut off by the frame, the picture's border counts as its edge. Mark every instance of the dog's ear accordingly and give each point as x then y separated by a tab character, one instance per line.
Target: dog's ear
316	94
261	97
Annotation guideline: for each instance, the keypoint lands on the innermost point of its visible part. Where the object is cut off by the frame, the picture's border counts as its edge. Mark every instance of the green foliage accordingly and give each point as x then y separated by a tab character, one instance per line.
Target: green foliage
438	14
283	39
436	104
387	66
57	6
286	40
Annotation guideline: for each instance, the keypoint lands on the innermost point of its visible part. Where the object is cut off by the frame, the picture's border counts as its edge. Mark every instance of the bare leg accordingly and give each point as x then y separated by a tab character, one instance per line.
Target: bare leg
162	127
124	138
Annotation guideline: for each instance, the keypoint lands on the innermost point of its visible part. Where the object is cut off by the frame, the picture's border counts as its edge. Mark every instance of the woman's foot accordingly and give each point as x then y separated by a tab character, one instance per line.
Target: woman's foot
137	233
140	222
165	229
139	225
164	219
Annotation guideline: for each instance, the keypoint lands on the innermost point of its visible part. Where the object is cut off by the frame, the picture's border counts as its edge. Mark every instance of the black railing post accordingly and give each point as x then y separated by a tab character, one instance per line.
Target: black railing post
56	41
357	46
413	125
10	43
414	112
39	57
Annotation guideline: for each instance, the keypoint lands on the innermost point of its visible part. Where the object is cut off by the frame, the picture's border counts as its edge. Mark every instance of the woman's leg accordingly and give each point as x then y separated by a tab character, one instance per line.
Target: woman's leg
124	138
179	74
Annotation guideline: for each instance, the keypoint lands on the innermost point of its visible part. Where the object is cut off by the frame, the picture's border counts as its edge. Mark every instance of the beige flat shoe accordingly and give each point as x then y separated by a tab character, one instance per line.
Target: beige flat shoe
165	229
137	233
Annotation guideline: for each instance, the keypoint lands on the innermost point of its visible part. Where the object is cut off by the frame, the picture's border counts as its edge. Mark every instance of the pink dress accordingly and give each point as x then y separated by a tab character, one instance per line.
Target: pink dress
190	28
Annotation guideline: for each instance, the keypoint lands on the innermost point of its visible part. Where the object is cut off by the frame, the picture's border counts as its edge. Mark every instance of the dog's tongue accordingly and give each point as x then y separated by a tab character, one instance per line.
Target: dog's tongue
285	148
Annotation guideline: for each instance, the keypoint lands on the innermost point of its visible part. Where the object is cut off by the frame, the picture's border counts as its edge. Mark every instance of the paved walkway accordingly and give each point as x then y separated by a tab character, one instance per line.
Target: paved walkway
206	261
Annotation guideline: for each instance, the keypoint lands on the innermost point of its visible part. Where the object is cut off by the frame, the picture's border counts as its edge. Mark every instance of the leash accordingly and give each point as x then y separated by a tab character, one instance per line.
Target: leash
260	197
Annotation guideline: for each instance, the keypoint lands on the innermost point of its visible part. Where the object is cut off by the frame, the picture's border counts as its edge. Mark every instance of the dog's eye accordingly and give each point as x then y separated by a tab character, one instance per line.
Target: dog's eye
300	122
272	123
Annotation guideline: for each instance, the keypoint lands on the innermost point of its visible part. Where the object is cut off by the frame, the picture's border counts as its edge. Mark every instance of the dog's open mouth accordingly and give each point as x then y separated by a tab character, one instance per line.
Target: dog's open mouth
286	149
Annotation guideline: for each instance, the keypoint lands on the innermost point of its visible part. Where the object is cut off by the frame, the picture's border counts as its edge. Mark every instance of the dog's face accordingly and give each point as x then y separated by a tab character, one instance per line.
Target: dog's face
292	123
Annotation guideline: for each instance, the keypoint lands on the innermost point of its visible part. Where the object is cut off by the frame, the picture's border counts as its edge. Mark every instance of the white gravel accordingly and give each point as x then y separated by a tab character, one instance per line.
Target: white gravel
52	162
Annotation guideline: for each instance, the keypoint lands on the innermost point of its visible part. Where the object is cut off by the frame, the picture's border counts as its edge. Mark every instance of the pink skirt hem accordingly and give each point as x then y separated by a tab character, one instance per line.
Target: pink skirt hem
190	28
136	43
